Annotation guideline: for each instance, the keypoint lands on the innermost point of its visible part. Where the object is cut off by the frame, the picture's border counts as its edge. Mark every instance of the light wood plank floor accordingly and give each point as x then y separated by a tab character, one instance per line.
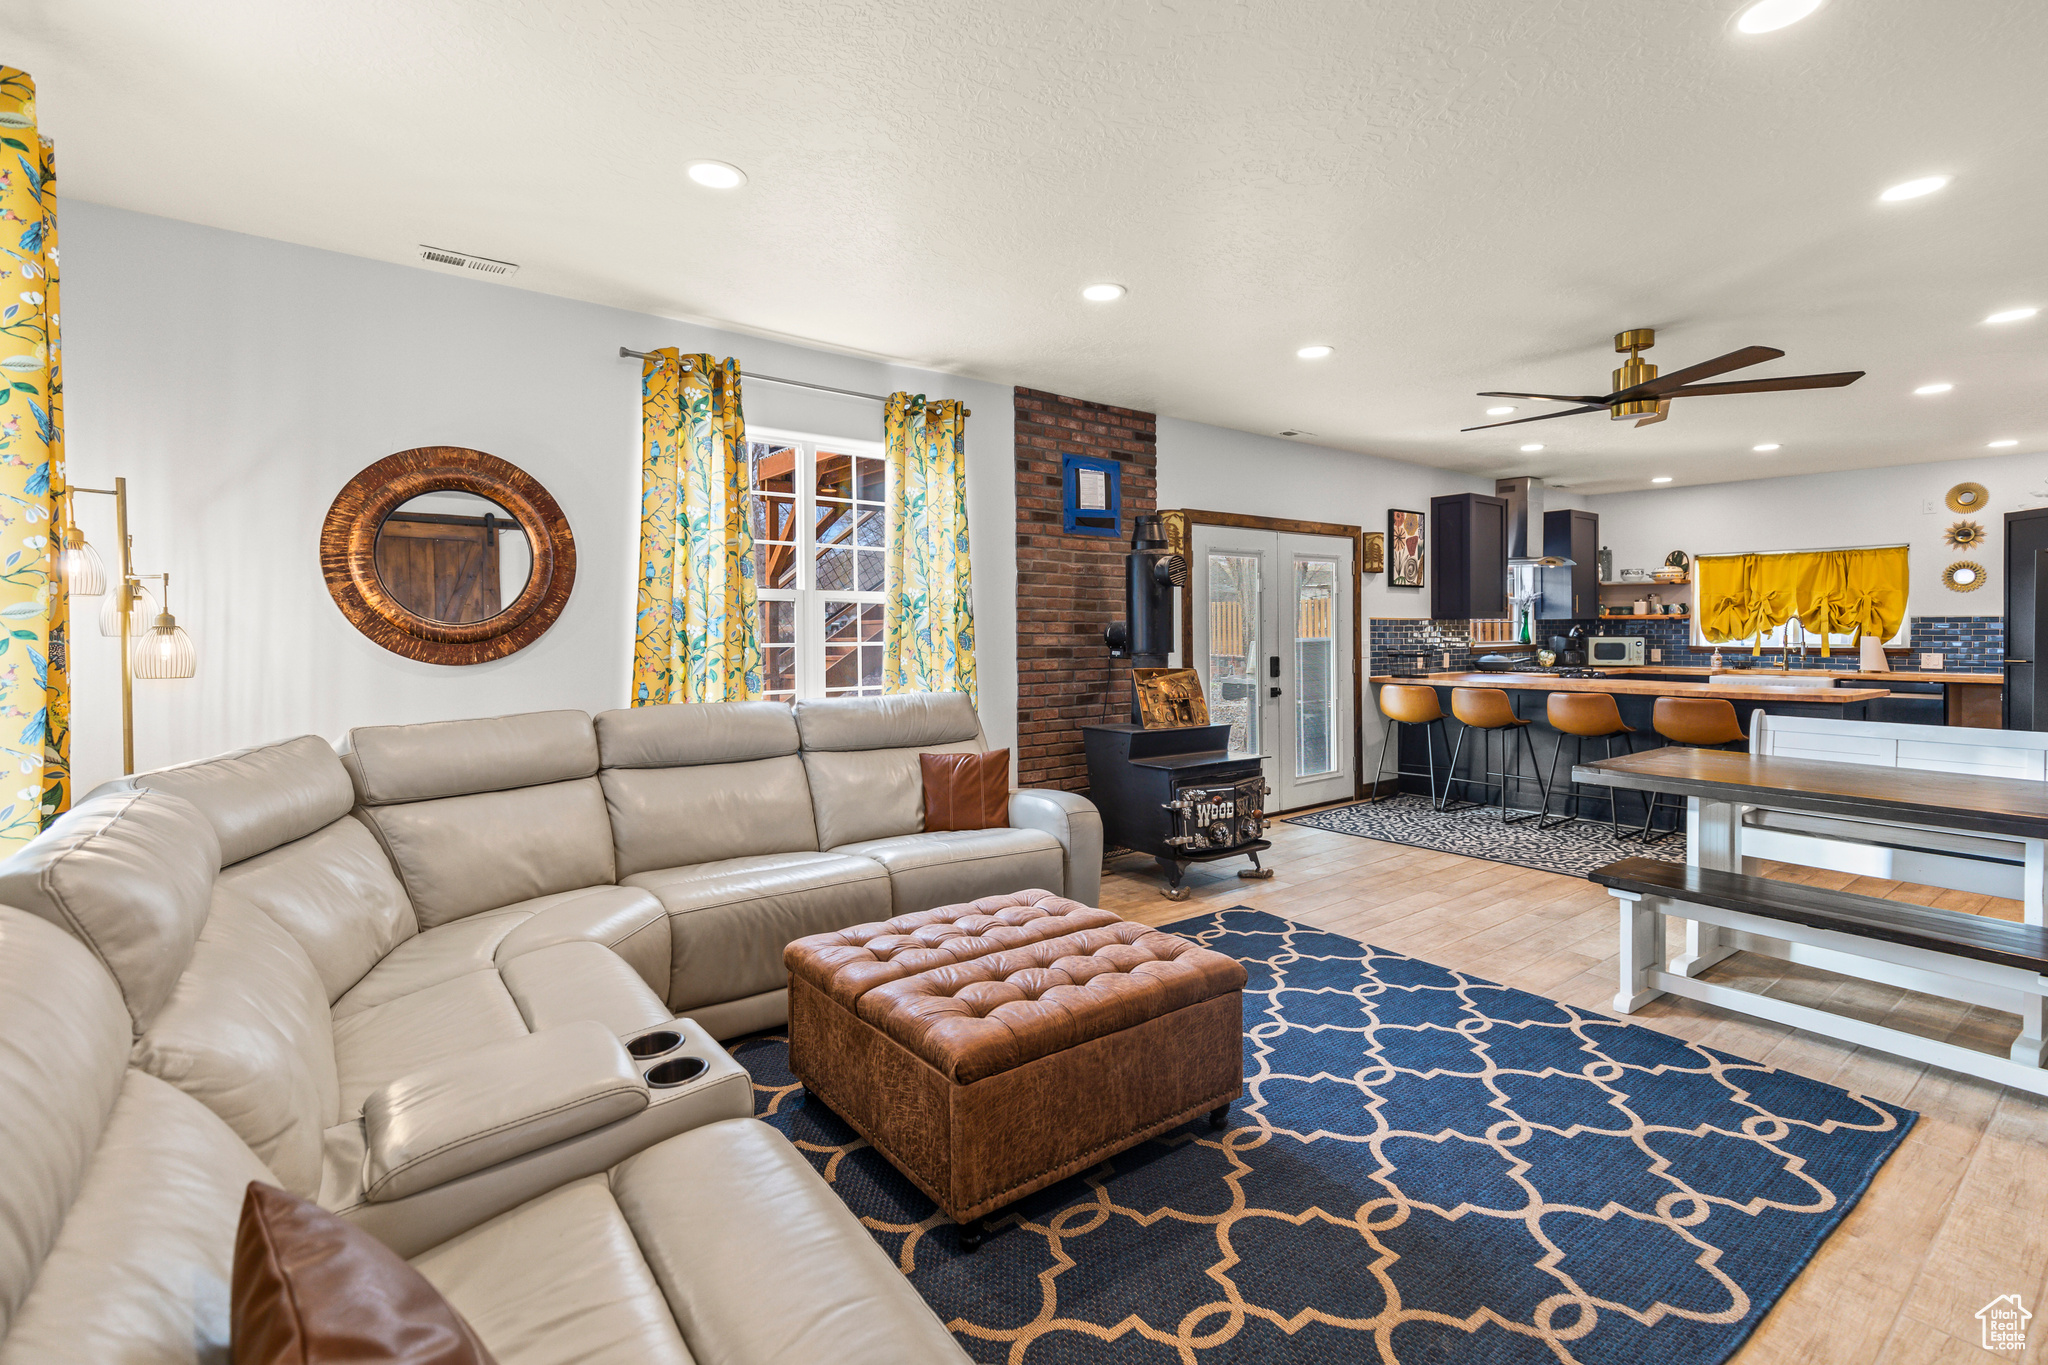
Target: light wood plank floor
1955	1218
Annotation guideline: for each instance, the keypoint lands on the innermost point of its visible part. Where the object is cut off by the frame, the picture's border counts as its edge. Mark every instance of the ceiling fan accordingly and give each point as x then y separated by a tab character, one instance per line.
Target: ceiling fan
1640	394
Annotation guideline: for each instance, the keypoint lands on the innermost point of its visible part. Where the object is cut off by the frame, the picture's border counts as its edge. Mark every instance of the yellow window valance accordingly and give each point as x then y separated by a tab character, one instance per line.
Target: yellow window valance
1830	592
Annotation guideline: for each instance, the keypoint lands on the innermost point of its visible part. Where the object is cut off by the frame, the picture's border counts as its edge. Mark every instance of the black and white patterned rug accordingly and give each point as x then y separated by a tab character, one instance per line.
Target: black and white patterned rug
1574	849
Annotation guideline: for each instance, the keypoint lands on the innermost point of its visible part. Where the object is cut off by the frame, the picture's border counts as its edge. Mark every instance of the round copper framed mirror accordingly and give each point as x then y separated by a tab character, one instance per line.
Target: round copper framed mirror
448	555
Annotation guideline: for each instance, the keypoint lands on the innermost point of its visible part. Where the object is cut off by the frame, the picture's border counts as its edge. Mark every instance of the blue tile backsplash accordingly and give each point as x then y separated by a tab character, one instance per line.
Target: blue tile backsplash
1968	644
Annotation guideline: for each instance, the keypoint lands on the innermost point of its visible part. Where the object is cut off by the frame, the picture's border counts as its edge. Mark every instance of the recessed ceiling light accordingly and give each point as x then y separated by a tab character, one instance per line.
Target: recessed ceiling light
1767	16
1913	189
1934	388
2013	315
1498	412
1313	352
1103	293
717	175
1531	449
1773	445
2000	445
1662	478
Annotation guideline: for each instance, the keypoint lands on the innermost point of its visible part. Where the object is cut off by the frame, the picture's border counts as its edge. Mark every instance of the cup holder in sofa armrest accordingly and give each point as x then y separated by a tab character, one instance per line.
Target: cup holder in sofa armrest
675	1071
654	1044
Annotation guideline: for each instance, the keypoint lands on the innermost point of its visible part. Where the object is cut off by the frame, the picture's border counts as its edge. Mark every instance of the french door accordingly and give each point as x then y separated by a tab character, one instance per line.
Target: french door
1274	649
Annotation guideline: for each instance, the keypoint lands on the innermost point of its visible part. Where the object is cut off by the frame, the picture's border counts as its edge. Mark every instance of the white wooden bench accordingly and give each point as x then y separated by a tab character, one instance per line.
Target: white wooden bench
1875	848
1978	954
1740	838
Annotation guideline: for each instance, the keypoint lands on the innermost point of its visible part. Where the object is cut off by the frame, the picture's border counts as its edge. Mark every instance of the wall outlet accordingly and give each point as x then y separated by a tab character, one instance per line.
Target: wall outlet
1447	654
1927	507
1656	656
1930	661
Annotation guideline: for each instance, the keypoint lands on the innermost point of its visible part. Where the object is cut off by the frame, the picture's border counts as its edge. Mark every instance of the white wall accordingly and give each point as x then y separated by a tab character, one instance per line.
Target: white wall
1218	470
1816	511
238	383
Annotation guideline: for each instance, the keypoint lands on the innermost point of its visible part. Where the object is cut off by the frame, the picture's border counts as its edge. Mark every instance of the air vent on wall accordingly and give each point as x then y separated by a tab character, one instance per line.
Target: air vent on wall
463	261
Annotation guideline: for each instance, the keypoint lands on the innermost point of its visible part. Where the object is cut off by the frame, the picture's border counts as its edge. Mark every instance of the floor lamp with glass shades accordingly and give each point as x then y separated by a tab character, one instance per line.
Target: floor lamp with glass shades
153	644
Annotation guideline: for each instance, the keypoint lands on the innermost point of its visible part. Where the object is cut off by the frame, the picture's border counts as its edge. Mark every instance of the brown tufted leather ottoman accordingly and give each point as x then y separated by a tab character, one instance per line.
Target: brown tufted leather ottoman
989	1050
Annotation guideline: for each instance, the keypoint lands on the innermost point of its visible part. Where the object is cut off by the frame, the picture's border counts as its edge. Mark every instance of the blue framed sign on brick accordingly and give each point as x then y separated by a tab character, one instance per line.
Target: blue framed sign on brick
1091	496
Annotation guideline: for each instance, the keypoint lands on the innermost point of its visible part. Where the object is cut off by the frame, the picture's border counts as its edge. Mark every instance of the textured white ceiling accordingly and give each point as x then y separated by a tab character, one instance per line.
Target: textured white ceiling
1456	194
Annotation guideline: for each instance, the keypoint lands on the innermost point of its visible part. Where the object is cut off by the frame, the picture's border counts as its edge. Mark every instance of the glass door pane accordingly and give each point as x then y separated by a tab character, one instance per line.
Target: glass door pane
1234	648
777	633
1315	667
773	472
852	523
853	649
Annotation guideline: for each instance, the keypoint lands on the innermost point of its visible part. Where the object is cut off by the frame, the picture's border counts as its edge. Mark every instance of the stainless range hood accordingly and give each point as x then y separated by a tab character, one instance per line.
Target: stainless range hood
1525	524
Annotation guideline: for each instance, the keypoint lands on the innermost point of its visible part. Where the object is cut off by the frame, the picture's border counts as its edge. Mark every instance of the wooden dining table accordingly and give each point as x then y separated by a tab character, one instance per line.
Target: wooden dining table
1720	784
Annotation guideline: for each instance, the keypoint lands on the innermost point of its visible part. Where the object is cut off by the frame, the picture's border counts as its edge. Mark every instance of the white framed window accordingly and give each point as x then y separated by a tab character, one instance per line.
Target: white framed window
820	514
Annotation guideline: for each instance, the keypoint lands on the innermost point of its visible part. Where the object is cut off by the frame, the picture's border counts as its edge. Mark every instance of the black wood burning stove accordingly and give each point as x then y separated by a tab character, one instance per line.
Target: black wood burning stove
1178	795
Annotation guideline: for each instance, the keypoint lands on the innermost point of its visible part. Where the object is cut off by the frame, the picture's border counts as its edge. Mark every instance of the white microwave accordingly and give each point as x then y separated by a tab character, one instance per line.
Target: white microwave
1615	650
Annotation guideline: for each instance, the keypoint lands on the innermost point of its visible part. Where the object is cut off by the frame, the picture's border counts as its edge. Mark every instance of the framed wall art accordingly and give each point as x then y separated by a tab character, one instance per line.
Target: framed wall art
1373	558
1404	548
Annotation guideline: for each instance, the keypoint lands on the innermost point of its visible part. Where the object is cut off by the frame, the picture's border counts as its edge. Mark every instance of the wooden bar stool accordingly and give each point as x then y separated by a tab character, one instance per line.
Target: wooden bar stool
1488	710
1584	716
1410	704
1697	723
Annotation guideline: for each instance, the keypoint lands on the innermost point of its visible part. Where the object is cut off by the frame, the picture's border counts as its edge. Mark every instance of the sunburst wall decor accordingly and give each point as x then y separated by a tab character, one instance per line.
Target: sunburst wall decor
1963	576
1965	535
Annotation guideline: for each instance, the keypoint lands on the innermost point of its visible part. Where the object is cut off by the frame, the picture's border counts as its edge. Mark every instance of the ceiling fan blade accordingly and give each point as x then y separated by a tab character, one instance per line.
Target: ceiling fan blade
1790	381
1551	397
1706	369
1540	417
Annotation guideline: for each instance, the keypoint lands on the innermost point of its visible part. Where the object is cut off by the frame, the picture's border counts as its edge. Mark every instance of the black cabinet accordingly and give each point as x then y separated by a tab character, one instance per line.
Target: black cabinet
1572	593
1468	557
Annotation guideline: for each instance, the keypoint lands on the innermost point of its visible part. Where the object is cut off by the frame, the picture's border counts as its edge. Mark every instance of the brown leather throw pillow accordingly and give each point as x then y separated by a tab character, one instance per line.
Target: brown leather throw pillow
311	1289
966	791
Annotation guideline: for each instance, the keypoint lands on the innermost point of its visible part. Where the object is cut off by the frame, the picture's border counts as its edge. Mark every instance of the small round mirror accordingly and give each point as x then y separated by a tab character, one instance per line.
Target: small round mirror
453	557
1966	576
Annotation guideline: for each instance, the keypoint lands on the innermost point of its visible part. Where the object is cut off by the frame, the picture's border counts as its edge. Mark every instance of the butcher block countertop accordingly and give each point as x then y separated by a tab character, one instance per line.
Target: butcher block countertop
1991	680
1549	682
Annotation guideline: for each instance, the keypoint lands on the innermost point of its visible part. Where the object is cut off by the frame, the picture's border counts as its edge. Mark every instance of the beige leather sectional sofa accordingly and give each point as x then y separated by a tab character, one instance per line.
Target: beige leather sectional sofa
119	1196
434	982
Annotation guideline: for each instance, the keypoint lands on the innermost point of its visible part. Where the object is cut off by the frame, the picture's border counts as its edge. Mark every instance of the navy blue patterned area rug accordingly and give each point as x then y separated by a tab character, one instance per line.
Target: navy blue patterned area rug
1573	849
1425	1167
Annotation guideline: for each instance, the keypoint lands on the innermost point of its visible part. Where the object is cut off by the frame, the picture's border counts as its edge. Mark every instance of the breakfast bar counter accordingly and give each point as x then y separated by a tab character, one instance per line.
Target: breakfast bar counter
1635	697
1622	685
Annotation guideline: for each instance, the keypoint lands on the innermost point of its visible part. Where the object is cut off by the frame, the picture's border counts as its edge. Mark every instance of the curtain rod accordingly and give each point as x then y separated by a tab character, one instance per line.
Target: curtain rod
625	351
1816	550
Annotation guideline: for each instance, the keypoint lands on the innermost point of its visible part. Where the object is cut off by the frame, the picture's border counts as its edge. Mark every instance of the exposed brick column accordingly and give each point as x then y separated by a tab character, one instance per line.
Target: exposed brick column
1070	587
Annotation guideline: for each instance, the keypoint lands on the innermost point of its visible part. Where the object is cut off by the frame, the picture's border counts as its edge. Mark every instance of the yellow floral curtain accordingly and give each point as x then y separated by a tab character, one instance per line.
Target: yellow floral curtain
35	692
694	626
1839	592
930	611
